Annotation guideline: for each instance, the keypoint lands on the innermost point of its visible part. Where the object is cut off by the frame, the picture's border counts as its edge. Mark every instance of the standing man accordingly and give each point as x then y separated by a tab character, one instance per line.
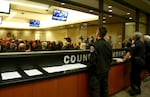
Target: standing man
100	61
137	53
147	53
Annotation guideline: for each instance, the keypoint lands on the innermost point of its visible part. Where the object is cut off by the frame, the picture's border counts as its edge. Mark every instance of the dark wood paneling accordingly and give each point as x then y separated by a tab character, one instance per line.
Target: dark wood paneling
67	86
118	78
82	86
47	88
17	91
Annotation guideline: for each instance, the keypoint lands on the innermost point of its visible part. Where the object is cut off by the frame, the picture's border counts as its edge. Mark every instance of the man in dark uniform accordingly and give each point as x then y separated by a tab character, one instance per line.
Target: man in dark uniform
137	53
147	53
100	61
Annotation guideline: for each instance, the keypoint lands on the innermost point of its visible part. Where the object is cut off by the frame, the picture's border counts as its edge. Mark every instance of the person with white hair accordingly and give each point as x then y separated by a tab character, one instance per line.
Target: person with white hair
21	47
44	45
147	54
137	56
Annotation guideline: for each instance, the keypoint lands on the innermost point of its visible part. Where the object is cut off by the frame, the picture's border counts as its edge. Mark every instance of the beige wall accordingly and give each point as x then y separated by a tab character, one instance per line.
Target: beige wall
74	33
116	32
142	28
91	31
55	35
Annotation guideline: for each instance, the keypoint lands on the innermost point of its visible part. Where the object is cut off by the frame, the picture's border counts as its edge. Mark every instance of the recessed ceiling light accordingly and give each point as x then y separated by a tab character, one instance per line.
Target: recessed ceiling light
110	10
85	24
104	21
62	3
128	13
130	18
109	6
91	11
104	17
110	16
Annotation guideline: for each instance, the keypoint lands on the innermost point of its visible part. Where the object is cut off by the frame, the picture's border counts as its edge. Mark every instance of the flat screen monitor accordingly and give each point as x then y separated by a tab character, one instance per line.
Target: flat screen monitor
59	15
0	20
4	6
34	23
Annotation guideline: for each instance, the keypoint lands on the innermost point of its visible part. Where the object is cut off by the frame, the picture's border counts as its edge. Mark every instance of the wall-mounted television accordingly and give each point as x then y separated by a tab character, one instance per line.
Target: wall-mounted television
59	15
5	6
34	23
0	20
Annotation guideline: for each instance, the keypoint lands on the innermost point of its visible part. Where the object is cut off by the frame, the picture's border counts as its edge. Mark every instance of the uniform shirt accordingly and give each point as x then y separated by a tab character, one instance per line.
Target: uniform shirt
101	56
147	47
138	49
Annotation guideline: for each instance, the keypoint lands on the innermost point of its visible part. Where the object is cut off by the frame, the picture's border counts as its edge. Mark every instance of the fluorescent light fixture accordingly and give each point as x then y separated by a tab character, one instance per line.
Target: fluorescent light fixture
30	4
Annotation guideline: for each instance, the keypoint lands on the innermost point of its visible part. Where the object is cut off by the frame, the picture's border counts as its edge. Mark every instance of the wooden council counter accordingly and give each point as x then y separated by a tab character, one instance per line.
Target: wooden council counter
54	74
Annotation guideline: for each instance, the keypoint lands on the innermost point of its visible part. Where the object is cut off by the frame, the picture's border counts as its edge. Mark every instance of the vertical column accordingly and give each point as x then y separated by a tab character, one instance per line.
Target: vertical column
148	23
101	8
123	31
137	20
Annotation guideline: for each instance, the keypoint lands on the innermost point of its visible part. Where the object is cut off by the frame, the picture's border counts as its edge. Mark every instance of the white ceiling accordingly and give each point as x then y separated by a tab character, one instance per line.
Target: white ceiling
23	10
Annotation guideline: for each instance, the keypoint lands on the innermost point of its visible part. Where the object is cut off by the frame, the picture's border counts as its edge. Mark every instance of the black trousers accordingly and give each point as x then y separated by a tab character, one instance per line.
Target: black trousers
148	64
135	77
98	85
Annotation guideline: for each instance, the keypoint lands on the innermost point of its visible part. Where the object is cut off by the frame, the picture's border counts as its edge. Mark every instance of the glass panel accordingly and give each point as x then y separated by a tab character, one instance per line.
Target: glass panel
143	18
129	30
142	28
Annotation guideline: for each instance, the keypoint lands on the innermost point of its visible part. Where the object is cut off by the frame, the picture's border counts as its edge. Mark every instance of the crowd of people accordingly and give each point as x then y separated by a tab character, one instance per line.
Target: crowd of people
19	45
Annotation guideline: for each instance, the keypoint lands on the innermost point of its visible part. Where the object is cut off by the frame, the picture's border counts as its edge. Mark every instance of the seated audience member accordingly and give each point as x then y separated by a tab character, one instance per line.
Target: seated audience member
13	46
49	45
54	46
59	45
34	46
1	46
76	46
44	45
7	47
68	45
39	45
21	47
83	43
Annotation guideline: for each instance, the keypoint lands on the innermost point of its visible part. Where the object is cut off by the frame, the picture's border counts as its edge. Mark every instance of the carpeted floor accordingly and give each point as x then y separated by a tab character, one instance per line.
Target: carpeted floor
145	90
